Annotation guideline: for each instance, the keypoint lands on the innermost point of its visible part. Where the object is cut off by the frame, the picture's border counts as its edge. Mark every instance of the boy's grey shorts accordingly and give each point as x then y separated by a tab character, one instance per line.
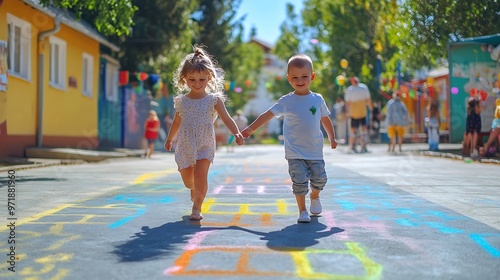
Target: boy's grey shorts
302	171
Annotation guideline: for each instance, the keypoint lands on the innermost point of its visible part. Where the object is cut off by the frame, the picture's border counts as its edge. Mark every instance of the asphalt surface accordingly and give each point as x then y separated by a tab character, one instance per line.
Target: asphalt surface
385	216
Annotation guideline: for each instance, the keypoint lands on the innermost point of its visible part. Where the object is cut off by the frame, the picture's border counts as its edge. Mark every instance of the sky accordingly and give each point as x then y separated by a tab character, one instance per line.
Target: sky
266	16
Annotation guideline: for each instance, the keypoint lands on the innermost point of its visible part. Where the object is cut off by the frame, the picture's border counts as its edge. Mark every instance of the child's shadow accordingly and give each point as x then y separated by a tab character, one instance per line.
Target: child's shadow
295	237
158	242
155	243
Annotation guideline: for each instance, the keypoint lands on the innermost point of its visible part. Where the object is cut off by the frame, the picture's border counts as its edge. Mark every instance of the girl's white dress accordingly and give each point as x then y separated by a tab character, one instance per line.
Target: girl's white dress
196	137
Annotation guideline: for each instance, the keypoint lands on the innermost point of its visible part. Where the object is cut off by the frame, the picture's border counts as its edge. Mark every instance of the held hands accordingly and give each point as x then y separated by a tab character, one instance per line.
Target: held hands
247	132
239	139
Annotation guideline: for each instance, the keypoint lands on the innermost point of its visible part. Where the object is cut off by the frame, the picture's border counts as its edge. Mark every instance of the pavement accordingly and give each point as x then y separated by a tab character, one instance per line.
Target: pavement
385	216
43	157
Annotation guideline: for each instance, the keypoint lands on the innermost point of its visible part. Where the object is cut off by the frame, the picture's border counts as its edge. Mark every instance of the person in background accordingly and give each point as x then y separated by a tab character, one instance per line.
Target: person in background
397	119
375	123
151	128
339	119
241	121
433	122
472	127
303	112
495	132
358	103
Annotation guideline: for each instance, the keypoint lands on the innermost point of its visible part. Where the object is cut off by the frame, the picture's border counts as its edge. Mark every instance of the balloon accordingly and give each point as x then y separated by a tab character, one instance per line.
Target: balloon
142	76
238	89
454	90
472	92
226	86
484	95
314	41
430	81
340	80
344	63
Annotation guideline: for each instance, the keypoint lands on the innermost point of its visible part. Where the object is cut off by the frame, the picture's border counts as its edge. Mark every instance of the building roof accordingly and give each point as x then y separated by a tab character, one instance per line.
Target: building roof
439	72
265	45
69	20
492	39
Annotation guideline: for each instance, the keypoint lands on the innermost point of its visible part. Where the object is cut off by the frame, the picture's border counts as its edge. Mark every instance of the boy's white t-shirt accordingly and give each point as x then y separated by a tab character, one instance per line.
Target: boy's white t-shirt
302	124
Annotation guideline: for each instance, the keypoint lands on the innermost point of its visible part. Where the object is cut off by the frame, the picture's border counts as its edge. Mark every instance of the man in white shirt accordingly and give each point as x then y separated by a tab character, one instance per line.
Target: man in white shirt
240	120
358	101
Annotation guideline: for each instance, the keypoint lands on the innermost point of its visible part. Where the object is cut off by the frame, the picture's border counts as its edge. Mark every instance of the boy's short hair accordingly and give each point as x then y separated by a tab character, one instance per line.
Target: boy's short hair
300	61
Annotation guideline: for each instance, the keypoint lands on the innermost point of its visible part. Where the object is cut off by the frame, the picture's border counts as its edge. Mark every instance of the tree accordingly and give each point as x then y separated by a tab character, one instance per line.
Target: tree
111	17
429	26
221	32
339	29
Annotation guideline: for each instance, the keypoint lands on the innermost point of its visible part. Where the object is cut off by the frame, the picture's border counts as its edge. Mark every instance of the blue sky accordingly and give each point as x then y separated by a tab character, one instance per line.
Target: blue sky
266	16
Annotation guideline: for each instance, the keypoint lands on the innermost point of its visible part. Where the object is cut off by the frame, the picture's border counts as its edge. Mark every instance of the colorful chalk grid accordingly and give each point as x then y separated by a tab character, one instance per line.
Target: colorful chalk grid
242	261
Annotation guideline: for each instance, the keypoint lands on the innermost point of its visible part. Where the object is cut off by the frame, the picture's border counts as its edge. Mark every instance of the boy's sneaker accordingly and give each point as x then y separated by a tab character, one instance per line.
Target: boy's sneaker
304	217
316	207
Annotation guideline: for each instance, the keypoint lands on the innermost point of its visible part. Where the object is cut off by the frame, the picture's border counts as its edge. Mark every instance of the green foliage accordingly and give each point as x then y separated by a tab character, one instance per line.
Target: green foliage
221	33
111	17
350	30
431	24
162	34
289	42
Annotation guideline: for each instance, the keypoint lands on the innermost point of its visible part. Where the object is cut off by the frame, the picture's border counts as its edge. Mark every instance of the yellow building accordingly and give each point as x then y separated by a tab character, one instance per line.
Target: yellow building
49	78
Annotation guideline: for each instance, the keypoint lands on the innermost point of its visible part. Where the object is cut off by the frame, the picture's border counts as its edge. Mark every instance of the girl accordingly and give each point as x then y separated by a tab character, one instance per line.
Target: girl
433	123
199	102
151	128
472	127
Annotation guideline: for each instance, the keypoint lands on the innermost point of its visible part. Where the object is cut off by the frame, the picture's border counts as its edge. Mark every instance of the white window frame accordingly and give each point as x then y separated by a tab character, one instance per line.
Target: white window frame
112	81
20	51
57	62
87	74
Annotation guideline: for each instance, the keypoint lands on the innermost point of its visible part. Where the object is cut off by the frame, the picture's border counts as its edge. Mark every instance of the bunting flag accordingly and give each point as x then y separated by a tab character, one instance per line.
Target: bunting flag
141	76
123	78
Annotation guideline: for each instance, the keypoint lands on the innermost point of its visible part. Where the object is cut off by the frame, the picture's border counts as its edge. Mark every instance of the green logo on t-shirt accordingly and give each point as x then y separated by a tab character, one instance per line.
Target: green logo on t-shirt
313	110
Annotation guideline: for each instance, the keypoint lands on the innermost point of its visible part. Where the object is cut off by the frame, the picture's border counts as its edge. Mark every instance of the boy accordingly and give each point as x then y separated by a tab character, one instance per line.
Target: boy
303	111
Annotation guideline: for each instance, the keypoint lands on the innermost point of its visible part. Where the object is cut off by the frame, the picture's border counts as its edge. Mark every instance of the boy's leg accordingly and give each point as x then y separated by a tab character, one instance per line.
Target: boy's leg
299	174
301	202
318	182
314	194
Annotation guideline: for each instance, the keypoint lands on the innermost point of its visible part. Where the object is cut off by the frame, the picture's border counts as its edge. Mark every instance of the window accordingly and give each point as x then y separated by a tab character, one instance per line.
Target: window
19	40
57	62
111	82
87	74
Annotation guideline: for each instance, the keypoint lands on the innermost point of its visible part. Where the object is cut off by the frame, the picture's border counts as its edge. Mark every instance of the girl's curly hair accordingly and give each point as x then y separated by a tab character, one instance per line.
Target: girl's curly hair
200	61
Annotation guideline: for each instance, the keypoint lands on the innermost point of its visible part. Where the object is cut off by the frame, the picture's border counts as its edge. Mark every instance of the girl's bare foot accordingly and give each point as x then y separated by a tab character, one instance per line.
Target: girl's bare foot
195	215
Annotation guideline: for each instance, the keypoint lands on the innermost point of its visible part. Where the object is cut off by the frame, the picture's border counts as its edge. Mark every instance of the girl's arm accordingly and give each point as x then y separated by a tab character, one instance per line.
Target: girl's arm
328	126
260	121
228	121
172	132
157	125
